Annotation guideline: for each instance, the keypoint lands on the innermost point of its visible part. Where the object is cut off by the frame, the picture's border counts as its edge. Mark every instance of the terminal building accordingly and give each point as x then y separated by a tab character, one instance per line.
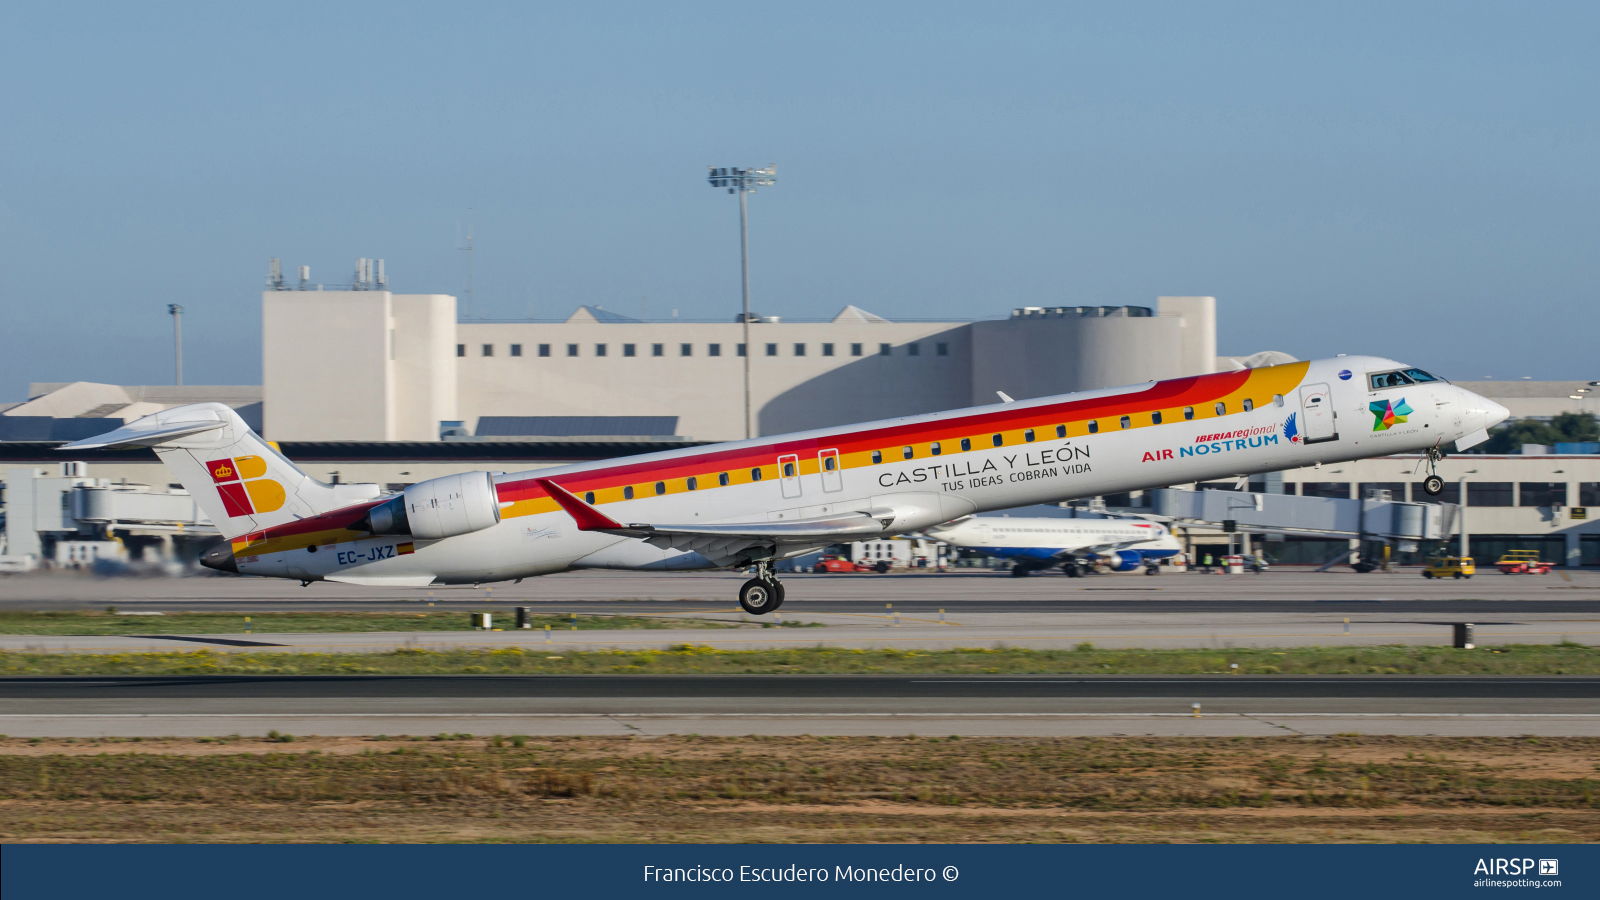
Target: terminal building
368	385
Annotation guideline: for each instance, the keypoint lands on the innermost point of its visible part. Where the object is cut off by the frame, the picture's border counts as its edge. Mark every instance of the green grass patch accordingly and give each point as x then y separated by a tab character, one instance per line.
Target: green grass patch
1516	659
455	619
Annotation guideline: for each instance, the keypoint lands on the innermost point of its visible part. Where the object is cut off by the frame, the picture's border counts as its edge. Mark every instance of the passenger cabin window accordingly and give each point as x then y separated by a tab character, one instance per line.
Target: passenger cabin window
1249	404
627	492
1094	427
1155	417
1061	431
722	479
1125	422
1277	400
934	448
588	496
1382	380
998	440
1028	435
693	483
755	474
828	462
966	444
1188	412
877	457
907	452
1222	409
661	487
788	470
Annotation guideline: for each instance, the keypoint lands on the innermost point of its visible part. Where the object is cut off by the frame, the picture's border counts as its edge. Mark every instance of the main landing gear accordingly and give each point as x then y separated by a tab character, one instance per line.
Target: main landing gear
761	594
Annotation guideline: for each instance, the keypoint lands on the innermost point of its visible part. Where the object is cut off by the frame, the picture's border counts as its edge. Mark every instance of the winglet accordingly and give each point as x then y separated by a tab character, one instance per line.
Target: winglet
587	517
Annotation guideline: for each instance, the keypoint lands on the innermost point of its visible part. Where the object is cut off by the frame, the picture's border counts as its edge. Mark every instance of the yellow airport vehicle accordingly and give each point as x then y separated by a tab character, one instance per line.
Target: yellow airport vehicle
1450	567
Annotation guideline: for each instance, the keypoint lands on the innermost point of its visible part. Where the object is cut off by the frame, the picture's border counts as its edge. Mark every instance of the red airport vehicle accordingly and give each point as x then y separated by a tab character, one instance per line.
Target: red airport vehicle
831	563
1523	562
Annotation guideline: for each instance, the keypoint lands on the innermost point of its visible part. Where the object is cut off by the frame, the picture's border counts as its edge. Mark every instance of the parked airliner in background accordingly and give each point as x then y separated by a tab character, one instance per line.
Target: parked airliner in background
748	503
1122	544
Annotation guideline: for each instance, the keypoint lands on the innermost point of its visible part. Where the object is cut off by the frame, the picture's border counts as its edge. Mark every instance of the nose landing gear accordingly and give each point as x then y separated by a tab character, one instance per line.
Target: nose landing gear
761	594
1433	485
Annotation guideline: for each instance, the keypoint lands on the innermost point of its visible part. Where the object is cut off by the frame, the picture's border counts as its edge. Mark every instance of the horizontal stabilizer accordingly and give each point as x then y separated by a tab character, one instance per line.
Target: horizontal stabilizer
138	434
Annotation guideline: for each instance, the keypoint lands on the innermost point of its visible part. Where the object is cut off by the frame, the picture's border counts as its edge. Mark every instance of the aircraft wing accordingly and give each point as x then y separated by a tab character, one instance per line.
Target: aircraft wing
725	540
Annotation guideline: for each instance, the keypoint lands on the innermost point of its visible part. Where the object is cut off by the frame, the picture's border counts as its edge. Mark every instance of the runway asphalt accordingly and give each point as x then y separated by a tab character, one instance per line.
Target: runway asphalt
821	705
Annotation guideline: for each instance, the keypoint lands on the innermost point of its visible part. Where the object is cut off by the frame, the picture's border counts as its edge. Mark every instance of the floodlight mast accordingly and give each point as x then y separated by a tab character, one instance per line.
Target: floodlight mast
742	182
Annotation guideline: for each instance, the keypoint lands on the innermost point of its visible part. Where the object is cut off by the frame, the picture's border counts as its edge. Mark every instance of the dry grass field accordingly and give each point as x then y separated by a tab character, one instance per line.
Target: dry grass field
807	789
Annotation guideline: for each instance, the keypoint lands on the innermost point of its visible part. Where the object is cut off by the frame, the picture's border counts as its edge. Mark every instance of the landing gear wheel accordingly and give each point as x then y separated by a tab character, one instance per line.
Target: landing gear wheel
777	586
1433	485
1073	570
759	597
1018	571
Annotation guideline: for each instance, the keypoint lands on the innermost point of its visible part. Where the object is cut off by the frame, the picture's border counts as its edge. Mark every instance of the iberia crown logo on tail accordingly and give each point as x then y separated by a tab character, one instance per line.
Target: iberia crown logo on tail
243	490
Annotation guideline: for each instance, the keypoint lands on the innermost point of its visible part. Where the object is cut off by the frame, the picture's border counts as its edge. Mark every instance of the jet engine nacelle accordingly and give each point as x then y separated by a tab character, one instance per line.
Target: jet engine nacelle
438	508
1125	560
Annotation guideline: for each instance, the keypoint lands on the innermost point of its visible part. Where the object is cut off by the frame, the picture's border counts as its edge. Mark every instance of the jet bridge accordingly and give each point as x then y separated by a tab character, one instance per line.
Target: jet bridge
1377	517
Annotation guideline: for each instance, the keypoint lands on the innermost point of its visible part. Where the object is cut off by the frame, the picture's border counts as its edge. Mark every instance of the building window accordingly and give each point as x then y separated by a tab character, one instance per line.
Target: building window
627	492
1541	493
998	440
934	448
488	349
941	349
661	488
461	349
755	474
627	350
1155	417
1249	404
799	349
693	483
722	479
772	349
658	349
884	349
855	349
544	349
1061	431
1125	422
1094	427
966	444
688	349
1188	412
1222	408
1450	494
572	349
827	349
1589	493
740	350
715	350
1338	490
516	349
907	452
599	349
1396	489
1028	435
877	457
913	349
1489	493
588	497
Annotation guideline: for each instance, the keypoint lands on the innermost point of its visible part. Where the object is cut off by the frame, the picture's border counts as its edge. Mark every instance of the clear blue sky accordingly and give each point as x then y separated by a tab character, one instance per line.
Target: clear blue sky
1416	180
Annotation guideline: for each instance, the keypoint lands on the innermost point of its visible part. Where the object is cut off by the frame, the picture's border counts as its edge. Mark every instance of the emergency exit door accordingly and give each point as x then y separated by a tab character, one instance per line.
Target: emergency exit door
789	475
1316	414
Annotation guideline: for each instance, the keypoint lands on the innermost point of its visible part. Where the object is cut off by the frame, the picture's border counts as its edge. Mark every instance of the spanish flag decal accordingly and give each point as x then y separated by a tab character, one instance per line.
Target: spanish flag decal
406	548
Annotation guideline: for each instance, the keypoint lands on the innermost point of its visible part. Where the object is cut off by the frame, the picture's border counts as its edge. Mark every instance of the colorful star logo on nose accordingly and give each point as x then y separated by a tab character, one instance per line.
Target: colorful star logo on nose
1386	414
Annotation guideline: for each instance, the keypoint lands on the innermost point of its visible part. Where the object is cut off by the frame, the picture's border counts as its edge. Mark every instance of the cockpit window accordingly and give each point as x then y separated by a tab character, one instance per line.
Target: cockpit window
1419	376
1381	380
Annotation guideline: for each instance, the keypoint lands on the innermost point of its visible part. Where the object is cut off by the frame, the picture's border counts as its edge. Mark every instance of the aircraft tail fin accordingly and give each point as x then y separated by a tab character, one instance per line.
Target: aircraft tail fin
241	482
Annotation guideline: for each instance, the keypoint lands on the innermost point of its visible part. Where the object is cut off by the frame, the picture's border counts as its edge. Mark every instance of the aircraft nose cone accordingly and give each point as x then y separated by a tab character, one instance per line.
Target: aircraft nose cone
1483	412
